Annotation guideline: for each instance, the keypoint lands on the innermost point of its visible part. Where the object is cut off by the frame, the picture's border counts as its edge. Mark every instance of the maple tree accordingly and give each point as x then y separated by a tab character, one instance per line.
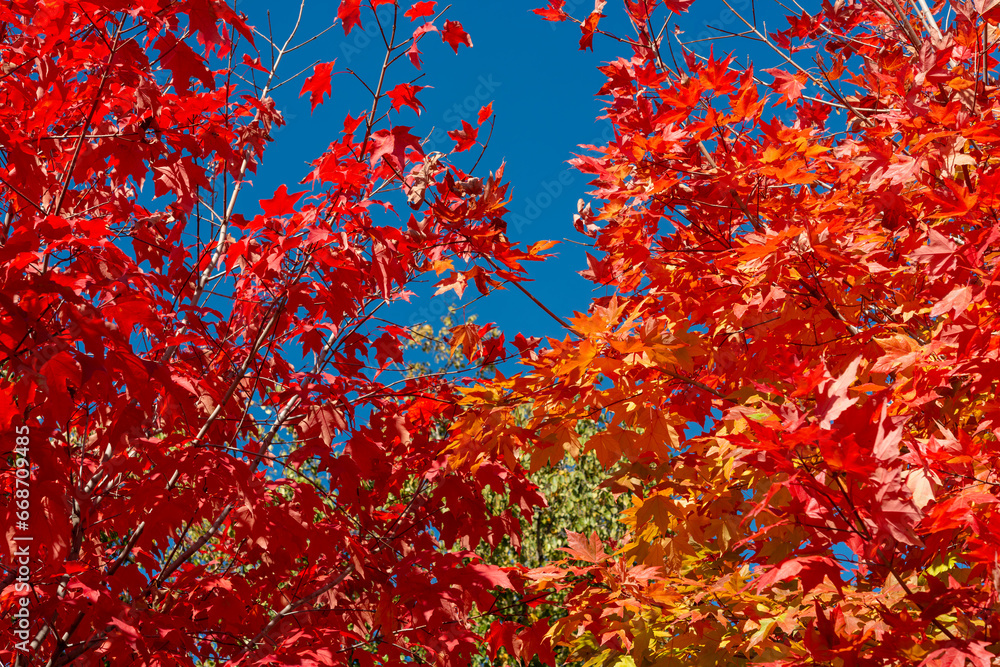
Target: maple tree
803	263
211	455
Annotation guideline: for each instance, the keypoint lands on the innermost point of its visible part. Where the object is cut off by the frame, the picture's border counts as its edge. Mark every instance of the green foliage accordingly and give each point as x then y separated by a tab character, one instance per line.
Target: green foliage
576	500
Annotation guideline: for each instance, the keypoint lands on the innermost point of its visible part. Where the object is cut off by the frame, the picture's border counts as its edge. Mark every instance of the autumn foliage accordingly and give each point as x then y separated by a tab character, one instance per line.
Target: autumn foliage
216	466
210	459
802	263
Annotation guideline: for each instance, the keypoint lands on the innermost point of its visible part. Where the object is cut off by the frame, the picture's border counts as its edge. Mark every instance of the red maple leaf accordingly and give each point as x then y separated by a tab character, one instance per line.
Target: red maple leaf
456	280
281	203
836	398
588	27
975	654
406	95
413	52
940	253
419	10
349	14
588	549
554	12
810	570
464	138
254	63
790	85
492	575
392	145
318	83
678	6
183	63
485	113
454	35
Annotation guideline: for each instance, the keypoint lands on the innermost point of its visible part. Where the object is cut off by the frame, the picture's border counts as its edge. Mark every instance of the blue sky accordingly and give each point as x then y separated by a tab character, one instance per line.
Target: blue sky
543	91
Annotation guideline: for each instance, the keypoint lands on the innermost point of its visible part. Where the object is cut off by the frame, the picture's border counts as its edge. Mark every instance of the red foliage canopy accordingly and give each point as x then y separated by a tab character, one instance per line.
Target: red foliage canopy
207	462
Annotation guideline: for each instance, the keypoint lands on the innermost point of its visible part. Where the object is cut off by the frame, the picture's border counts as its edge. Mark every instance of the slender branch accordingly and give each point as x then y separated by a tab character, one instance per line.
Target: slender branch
292	606
68	177
788	59
929	21
370	123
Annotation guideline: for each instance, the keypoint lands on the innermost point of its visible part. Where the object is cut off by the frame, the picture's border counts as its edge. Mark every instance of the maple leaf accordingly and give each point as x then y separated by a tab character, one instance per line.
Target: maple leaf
886	445
960	654
588	27
939	253
387	348
254	63
413	52
493	575
349	13
901	352
464	138
956	301
809	570
541	246
181	176
281	203
406	94
318	83
204	16
419	10
178	56
453	34
919	483
485	113
790	85
588	549
455	281
324	421
836	399
554	11
678	6
129	631
392	144
351	124
502	635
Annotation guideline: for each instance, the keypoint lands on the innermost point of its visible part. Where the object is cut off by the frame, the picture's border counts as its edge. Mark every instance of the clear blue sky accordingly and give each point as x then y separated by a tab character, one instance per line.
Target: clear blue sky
543	91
